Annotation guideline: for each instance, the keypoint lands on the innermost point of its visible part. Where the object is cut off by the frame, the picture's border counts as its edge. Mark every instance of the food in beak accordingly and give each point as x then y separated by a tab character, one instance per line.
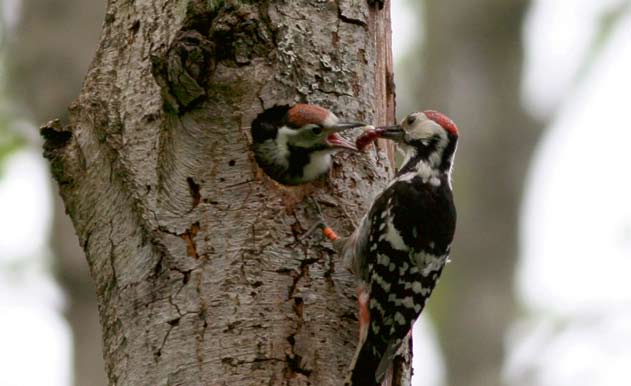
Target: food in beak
368	136
372	134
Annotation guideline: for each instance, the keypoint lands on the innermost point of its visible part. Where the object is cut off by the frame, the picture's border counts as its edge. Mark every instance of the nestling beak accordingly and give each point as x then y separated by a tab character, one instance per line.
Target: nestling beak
335	140
341	126
394	133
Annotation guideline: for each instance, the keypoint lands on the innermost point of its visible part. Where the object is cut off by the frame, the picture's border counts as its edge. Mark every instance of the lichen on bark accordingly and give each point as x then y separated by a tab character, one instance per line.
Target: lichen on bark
201	274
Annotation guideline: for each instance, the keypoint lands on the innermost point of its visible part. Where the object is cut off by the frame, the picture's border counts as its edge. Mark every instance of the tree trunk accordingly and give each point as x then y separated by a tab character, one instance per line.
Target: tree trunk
201	274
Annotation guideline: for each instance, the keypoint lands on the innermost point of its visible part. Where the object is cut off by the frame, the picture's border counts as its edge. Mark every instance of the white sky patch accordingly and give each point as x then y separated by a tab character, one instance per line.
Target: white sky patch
35	340
407	28
25	206
587	352
9	12
558	35
408	33
427	361
576	219
573	274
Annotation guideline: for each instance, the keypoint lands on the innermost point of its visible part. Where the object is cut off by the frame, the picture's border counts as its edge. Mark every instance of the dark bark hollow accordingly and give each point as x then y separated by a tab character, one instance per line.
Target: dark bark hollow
200	273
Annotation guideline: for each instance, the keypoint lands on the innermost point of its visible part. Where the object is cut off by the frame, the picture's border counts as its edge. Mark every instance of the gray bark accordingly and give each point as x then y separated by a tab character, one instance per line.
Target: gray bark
200	272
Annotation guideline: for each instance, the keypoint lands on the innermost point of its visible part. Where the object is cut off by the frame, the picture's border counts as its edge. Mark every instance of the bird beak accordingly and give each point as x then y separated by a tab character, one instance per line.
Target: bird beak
345	126
335	140
394	133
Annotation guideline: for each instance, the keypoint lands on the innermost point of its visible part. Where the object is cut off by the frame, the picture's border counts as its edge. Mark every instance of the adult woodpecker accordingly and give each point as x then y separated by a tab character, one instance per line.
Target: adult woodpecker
294	144
401	245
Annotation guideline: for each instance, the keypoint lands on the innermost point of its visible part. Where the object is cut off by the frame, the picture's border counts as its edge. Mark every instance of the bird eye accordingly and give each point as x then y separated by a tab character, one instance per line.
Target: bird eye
316	130
411	119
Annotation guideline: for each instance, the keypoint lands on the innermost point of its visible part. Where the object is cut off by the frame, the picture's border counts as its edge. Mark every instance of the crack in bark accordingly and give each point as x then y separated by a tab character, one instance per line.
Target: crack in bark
173	323
201	335
189	237
297	275
350	20
294	362
194	188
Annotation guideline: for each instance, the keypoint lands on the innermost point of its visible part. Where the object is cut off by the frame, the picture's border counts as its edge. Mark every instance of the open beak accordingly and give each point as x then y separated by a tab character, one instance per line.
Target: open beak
335	140
394	133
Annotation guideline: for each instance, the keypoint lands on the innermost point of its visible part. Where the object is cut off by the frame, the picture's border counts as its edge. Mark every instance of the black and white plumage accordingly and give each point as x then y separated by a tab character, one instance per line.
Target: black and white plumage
294	145
400	247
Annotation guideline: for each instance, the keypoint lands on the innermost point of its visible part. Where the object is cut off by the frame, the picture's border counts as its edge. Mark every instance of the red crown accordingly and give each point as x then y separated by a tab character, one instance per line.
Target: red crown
303	114
442	120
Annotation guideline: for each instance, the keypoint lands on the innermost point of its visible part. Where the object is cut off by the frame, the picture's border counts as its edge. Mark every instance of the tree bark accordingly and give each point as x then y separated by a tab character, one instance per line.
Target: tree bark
201	275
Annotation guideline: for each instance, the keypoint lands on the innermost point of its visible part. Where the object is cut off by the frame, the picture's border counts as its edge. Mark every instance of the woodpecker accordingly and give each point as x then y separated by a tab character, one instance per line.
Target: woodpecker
401	245
294	144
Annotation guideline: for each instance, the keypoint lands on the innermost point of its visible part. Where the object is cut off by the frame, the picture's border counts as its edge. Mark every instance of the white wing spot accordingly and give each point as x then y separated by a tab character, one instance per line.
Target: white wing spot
374	305
393	237
418	288
382	283
398	317
408	302
403	268
383	259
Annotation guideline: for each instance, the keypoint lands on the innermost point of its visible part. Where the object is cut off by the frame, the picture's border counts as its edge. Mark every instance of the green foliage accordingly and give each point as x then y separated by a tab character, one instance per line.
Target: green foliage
605	28
9	143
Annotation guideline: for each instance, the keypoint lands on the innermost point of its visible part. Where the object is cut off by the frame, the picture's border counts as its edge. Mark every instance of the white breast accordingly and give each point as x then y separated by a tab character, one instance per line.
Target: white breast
320	162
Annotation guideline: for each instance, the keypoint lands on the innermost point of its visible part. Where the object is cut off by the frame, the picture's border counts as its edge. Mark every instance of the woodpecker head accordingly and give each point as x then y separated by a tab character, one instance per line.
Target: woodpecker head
428	135
294	144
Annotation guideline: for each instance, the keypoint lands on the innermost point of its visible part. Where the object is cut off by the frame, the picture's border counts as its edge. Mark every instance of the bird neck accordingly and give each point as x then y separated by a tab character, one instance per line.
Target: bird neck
432	164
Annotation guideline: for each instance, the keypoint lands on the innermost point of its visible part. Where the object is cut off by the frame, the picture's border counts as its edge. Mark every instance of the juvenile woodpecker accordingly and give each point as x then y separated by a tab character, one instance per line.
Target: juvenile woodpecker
294	145
401	245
